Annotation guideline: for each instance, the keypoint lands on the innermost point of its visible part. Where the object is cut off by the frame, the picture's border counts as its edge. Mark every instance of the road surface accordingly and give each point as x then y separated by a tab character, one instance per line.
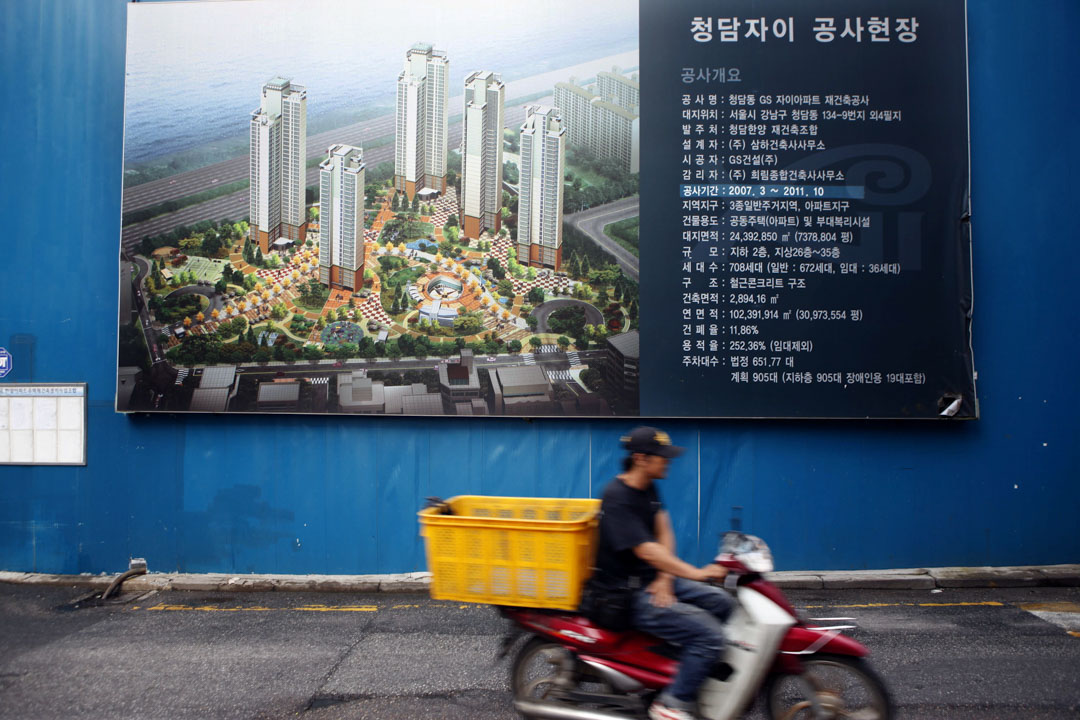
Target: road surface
592	223
957	655
592	315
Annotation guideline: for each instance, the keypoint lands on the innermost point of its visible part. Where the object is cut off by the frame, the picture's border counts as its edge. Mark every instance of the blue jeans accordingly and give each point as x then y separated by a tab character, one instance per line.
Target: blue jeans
696	622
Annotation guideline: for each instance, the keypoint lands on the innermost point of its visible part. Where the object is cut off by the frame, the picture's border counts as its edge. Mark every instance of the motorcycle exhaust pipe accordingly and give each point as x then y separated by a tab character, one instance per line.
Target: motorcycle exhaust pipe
546	711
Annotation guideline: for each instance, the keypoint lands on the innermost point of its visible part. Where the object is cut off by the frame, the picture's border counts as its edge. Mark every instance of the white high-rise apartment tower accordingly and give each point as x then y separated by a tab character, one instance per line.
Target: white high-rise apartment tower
481	153
277	164
341	218
543	171
421	121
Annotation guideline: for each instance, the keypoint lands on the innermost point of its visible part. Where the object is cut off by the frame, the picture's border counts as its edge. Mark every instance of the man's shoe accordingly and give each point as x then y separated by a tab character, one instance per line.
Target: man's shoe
659	711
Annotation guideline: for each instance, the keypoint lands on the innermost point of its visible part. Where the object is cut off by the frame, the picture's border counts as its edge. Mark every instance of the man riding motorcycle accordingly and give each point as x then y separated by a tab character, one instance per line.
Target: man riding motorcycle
667	597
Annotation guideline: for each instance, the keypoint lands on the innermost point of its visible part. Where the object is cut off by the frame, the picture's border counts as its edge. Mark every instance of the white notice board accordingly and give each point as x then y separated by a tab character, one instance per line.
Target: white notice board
43	424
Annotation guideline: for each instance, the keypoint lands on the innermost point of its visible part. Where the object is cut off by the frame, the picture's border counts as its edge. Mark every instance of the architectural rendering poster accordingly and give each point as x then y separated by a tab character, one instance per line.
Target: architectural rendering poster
467	209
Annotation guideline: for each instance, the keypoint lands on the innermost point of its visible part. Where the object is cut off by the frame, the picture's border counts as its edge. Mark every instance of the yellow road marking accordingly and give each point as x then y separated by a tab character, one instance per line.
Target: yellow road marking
988	603
256	608
1074	633
303	608
1061	607
337	608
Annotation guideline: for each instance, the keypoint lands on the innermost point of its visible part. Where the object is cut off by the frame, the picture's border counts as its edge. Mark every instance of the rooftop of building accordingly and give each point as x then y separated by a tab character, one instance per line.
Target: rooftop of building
351	157
279	392
619	77
395	394
427	49
627	344
285	85
210	399
422	404
576	89
357	392
523	380
550	118
218	376
460	375
614	109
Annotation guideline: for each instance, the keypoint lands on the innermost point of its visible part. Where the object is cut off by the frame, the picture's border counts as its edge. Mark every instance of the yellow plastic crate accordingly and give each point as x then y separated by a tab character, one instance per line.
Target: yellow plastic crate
528	552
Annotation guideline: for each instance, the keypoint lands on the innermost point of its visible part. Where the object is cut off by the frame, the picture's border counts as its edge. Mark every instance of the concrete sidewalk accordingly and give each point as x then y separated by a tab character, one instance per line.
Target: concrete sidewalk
419	582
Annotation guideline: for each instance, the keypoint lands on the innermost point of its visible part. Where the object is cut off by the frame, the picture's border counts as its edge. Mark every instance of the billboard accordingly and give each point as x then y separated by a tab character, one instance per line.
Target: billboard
473	212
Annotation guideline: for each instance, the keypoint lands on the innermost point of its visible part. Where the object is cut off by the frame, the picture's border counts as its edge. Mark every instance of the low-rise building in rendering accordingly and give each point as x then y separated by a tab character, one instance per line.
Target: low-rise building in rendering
218	385
421	121
459	381
540	198
341	218
358	393
522	390
277	161
621	371
481	153
280	394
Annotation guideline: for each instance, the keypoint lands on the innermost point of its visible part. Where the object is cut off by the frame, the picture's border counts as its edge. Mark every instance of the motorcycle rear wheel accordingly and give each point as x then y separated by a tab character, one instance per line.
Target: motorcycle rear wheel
834	687
539	674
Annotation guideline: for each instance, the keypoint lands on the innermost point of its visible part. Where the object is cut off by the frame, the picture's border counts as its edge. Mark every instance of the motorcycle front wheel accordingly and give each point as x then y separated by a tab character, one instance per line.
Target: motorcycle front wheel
833	687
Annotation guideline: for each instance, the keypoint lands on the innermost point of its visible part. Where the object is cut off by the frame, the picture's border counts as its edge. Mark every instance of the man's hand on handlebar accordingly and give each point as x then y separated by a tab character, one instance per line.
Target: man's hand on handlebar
712	573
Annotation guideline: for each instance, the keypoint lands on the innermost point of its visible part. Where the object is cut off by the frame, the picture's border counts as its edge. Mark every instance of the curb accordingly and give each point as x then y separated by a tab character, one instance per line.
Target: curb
213	582
420	582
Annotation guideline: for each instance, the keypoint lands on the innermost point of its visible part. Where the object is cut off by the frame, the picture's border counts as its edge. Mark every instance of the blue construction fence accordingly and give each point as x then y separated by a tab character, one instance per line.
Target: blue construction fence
295	494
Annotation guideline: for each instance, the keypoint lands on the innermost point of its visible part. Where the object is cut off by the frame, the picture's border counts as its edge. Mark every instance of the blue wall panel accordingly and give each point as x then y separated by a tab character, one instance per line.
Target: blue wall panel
339	495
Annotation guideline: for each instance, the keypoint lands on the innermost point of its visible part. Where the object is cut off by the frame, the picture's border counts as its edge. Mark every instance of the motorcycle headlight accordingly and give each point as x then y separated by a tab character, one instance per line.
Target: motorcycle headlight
759	561
750	550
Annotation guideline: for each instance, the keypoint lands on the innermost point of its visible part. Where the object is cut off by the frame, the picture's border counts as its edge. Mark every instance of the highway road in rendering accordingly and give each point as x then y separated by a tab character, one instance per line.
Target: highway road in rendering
592	223
179	185
592	315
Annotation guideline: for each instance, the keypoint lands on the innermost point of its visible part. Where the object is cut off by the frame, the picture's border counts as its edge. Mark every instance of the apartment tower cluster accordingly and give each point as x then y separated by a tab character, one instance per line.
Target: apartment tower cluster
278	136
604	119
278	159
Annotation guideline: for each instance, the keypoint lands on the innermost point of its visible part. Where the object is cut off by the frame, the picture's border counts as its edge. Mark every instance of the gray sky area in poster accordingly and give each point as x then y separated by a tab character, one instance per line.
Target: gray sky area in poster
194	70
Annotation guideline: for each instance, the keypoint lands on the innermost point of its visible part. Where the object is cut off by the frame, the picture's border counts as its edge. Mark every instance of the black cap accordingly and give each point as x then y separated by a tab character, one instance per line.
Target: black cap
650	441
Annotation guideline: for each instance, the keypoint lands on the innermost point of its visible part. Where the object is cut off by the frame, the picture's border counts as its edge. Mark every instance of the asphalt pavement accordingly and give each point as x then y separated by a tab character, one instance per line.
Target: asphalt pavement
956	654
593	221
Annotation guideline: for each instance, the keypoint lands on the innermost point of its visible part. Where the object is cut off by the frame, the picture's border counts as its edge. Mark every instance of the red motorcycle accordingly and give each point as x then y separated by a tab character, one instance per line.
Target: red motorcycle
573	669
